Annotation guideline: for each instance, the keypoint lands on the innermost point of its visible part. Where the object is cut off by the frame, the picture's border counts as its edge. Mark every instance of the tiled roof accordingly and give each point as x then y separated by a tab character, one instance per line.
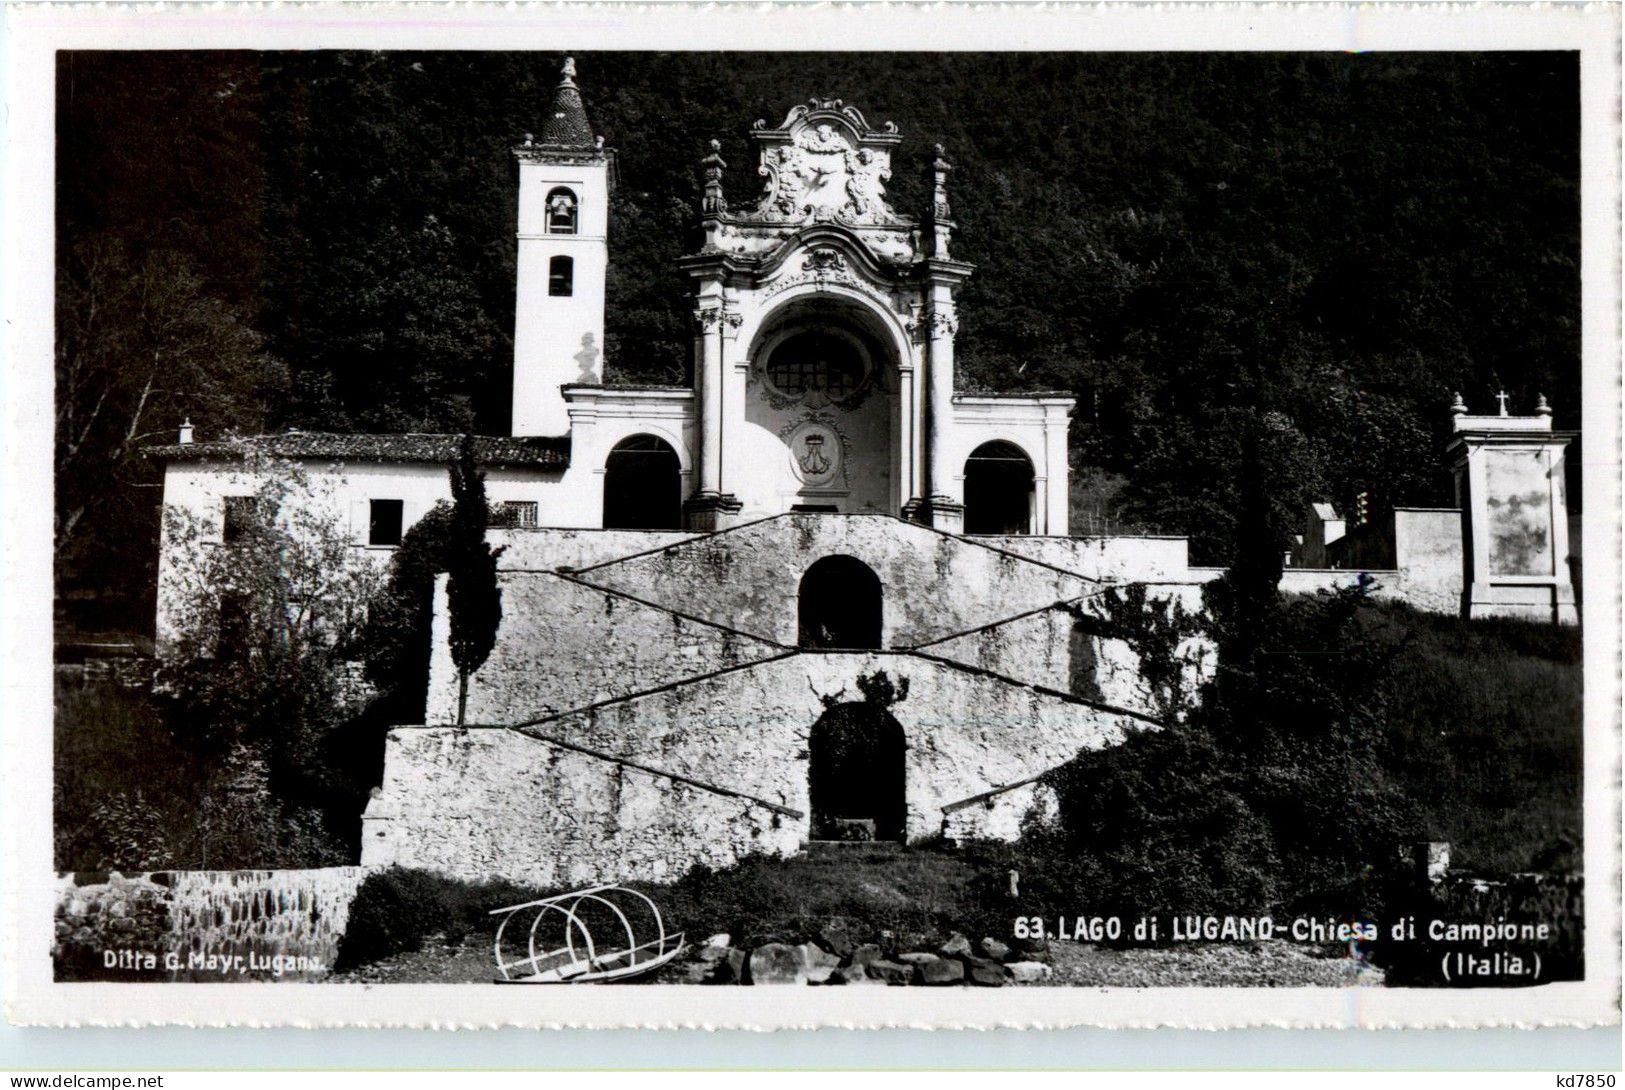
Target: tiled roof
507	450
566	125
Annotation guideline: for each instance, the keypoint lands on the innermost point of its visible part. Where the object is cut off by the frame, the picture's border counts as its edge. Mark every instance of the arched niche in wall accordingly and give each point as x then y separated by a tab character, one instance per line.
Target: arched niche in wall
998	490
856	777
642	485
821	389
839	605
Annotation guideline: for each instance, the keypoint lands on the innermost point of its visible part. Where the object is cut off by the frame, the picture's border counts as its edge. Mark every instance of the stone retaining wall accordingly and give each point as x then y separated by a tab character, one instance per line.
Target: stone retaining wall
487	802
216	926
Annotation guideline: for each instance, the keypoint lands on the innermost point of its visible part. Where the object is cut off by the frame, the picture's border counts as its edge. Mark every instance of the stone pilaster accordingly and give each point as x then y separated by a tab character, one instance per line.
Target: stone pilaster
945	512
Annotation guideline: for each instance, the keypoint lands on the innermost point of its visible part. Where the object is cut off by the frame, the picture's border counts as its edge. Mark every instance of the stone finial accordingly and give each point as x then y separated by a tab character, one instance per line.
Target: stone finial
530	139
941	212
1458	407
1502	399
567	74
712	200
1543	407
186	431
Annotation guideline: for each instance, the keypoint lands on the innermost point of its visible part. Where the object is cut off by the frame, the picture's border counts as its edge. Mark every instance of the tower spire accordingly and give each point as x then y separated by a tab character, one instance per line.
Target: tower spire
567	125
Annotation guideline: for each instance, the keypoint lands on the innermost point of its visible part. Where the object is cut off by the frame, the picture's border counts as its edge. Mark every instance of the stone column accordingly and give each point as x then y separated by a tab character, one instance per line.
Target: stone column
1056	471
709	319
733	372
909	494
708	508
947	512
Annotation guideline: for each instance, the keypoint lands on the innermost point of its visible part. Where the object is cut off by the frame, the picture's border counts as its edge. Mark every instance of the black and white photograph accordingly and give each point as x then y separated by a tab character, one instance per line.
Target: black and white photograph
969	527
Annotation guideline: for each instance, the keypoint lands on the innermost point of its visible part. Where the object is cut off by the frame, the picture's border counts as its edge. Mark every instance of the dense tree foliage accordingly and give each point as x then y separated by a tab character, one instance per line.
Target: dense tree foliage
1186	241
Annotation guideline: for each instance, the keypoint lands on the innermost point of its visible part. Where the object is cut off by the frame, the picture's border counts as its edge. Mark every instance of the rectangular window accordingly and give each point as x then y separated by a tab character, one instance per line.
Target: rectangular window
514	515
240	515
561	275
384	526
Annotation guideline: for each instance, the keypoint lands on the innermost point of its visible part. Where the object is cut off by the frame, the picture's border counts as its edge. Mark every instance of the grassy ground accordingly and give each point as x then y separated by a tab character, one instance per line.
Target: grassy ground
919	893
916	890
1488	734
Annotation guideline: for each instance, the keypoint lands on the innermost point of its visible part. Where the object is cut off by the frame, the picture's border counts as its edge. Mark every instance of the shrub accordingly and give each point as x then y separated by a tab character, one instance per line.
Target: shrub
396	909
1273	793
919	890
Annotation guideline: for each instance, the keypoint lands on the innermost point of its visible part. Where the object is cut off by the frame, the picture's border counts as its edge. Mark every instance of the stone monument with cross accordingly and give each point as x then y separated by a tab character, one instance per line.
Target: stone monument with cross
1510	487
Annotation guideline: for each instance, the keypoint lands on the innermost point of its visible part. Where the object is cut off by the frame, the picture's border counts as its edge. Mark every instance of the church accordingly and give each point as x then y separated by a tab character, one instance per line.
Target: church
819	595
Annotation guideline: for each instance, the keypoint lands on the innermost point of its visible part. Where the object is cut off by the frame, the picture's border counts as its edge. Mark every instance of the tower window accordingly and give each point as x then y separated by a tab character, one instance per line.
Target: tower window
561	212
561	275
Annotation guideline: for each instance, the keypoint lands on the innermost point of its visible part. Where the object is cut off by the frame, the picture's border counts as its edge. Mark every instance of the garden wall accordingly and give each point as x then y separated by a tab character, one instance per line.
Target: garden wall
216	926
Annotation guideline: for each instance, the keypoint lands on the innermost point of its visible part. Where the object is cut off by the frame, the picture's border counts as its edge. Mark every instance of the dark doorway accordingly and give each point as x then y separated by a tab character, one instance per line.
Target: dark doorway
840	605
998	490
642	486
856	778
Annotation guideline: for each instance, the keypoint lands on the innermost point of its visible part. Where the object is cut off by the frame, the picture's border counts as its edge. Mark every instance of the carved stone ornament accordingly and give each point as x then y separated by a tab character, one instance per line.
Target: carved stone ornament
825	267
708	318
819	451
944	323
820	174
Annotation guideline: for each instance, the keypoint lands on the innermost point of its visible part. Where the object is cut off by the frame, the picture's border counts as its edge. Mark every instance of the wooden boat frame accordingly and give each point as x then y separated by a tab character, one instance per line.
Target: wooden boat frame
598	962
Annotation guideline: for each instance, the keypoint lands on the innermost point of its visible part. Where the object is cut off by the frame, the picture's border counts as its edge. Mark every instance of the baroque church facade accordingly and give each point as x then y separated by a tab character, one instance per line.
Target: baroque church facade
818	594
824	355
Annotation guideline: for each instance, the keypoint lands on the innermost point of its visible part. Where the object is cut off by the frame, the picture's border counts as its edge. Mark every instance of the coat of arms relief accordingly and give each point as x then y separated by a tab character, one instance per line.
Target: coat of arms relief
823	176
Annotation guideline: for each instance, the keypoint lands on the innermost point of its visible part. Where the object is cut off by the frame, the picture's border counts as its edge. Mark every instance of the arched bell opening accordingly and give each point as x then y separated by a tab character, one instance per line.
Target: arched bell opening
643	485
840	606
998	490
856	776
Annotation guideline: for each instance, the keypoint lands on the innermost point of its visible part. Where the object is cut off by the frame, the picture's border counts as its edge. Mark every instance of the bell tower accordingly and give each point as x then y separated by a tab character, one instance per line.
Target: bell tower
564	182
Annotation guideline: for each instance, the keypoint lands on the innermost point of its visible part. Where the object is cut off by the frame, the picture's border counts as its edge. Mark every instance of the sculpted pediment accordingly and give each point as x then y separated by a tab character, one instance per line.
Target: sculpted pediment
825	165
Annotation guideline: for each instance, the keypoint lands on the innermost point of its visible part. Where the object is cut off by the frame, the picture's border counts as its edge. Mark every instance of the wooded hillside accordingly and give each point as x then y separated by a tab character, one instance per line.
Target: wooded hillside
1323	245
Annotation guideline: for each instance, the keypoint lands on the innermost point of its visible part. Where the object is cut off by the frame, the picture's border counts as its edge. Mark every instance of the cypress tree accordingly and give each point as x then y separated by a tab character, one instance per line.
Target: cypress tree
474	597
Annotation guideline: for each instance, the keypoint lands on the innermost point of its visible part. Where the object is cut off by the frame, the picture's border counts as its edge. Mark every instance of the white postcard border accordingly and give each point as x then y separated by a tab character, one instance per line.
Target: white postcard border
32	36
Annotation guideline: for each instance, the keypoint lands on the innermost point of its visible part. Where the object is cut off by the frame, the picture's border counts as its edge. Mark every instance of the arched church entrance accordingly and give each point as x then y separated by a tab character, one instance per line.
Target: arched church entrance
855	777
643	486
840	605
998	490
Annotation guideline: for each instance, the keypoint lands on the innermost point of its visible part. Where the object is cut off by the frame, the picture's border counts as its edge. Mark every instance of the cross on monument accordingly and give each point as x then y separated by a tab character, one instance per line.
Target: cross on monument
1502	398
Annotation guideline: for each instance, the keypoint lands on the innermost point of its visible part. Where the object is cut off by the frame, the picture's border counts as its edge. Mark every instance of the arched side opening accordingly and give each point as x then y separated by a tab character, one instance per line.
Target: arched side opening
998	490
642	486
856	774
840	605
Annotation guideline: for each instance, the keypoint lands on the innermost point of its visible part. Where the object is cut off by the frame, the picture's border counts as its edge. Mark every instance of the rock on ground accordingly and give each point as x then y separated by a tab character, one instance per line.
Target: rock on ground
939	971
776	963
